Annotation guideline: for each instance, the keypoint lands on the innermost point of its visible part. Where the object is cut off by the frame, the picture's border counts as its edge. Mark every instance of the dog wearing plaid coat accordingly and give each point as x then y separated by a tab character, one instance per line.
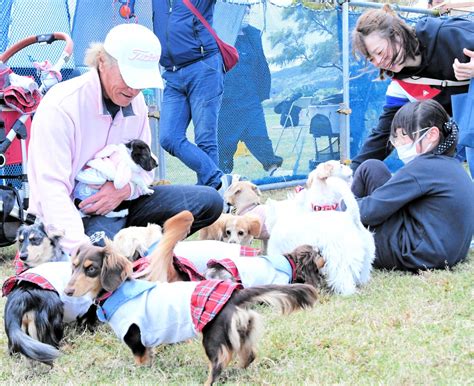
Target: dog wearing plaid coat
148	313
37	308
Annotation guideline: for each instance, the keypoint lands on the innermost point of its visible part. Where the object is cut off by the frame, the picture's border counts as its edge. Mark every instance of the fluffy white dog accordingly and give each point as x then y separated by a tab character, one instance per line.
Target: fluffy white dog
347	247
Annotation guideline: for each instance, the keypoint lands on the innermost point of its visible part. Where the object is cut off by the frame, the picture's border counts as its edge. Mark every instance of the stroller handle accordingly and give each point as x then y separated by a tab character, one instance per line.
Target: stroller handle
44	38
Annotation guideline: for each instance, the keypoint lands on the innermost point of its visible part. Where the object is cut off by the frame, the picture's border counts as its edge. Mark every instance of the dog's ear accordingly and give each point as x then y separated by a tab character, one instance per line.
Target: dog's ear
255	225
231	193
310	180
115	268
20	230
256	190
216	230
308	264
54	234
324	170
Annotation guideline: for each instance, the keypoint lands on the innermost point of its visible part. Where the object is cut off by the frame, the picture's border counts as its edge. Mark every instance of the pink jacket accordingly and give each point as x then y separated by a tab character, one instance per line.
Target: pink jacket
70	126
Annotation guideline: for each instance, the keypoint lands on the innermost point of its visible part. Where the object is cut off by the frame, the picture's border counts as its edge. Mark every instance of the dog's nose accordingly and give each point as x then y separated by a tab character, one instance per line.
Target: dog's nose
23	257
69	291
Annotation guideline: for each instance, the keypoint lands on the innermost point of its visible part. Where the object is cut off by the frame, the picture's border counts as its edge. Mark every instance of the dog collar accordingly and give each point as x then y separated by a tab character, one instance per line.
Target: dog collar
318	208
248	208
293	267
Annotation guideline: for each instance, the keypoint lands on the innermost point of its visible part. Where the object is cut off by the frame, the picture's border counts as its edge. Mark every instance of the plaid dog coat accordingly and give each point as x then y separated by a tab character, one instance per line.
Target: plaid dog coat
199	252
181	264
52	276
167	312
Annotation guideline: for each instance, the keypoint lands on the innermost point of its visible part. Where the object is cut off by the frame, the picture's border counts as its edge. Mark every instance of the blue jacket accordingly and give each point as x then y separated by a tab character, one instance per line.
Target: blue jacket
423	217
441	41
184	39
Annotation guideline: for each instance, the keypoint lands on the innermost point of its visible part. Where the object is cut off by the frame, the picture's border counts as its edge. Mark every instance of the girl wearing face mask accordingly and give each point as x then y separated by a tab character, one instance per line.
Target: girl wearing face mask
422	216
439	51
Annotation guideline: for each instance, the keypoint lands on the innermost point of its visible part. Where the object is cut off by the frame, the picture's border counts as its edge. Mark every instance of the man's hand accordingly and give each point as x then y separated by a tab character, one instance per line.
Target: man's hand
464	71
105	200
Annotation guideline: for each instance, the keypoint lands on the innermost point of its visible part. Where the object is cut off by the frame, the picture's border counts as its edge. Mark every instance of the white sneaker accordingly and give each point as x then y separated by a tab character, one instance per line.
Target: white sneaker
226	181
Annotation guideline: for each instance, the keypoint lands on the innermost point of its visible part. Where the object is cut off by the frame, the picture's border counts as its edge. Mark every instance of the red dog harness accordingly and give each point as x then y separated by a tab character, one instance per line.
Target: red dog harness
318	208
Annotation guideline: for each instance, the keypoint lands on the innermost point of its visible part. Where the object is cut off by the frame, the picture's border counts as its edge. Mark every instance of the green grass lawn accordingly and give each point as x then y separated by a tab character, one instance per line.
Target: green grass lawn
399	329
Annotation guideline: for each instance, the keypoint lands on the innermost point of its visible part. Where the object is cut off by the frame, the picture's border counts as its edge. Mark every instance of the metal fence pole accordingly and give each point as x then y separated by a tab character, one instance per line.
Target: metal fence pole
345	108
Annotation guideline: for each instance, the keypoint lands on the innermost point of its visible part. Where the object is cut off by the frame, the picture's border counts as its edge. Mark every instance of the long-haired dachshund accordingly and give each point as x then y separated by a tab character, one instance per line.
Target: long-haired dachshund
302	265
39	244
34	313
145	314
37	308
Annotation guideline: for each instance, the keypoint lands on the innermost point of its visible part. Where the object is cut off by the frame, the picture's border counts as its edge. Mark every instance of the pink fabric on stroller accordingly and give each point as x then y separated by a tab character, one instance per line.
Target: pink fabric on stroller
21	100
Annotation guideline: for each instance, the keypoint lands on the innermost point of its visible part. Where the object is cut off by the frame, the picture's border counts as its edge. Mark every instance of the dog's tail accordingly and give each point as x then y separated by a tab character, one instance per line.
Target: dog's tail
285	298
339	185
45	321
161	260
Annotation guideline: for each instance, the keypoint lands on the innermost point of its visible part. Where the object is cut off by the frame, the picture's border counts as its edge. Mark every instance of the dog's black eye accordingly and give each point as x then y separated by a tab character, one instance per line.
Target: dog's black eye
35	240
227	232
241	233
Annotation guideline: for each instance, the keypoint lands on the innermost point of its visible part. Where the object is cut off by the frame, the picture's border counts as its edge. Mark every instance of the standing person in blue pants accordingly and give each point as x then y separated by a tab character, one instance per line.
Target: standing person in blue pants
194	75
241	117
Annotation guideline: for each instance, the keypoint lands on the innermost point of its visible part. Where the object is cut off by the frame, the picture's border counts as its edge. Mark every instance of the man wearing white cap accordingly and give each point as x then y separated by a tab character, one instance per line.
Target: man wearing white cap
79	117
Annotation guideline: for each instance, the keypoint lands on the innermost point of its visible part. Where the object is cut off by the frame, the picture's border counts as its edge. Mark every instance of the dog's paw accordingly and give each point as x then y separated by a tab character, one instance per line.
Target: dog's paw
161	182
143	360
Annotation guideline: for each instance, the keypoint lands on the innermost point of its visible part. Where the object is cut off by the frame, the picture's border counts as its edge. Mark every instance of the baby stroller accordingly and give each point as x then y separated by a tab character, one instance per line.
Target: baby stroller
19	98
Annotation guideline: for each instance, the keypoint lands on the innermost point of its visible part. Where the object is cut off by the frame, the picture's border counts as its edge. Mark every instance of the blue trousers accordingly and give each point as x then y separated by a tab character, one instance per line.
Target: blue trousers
194	92
244	121
203	202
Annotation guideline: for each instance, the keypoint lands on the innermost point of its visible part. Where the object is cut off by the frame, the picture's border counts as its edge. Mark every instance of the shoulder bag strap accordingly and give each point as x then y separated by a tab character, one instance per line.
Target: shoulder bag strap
201	18
435	82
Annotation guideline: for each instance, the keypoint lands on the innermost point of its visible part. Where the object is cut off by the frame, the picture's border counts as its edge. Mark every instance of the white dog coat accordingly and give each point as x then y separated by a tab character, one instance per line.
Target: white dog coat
261	270
53	276
165	312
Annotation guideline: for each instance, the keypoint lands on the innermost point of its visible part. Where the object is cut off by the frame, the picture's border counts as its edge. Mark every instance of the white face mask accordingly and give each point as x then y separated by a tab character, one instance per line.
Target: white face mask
408	153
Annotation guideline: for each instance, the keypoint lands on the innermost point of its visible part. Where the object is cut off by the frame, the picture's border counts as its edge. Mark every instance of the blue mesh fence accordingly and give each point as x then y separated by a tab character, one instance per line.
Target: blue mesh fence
280	102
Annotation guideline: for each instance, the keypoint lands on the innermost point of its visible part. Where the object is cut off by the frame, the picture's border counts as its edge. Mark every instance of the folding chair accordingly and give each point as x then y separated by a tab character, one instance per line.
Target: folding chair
302	104
325	130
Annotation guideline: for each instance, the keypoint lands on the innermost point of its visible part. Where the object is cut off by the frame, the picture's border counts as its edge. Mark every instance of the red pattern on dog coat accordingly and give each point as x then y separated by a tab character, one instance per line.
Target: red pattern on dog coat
181	264
208	299
229	265
33	278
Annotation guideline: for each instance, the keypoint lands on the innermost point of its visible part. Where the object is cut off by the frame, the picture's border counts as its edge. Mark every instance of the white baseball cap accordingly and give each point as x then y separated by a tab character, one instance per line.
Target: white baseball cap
137	51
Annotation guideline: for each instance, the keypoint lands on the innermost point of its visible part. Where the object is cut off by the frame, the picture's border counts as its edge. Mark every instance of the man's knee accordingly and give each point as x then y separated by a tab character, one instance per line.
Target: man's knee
167	142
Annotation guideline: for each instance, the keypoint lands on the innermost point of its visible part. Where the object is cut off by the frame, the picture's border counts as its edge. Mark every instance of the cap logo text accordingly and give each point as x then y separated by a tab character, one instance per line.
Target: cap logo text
144	56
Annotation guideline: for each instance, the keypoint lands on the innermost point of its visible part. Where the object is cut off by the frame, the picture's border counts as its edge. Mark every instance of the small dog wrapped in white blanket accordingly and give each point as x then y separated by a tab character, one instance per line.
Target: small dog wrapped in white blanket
120	163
